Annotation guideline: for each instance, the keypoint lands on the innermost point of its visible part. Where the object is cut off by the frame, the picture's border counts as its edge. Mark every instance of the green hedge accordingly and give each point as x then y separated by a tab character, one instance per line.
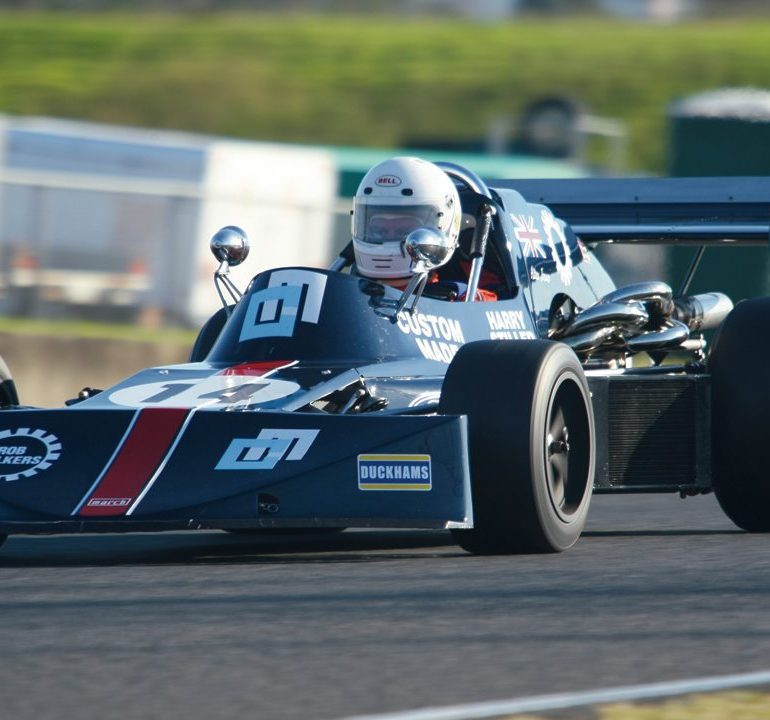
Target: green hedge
364	80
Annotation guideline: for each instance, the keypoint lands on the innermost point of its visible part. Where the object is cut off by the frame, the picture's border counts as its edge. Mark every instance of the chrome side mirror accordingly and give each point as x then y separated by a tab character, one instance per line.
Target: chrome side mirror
230	245
429	248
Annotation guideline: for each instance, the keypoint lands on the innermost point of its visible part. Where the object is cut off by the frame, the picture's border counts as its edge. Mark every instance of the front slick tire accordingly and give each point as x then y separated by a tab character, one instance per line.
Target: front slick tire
531	437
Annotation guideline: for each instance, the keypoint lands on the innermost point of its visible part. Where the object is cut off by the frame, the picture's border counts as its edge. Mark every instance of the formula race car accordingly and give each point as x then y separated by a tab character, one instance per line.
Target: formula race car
323	399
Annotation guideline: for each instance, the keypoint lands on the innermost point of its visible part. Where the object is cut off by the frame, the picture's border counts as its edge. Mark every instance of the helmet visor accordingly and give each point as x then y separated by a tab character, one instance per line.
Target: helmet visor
380	224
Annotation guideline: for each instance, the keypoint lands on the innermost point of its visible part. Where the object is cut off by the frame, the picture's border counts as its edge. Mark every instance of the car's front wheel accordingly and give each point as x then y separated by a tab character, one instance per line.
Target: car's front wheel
531	437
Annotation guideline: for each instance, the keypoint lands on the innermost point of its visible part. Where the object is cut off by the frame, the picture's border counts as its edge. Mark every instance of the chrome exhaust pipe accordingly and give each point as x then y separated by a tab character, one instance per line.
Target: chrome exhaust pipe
655	296
670	336
628	317
705	311
590	340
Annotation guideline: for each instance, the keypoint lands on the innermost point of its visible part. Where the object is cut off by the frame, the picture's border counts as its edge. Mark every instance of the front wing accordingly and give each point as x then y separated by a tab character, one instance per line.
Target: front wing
89	470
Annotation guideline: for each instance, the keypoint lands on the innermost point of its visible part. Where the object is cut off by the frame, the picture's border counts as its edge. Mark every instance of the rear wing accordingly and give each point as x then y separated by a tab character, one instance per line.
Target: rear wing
657	210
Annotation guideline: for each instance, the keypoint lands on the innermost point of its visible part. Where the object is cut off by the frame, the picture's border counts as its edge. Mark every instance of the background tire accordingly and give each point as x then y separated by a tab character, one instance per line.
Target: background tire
531	436
739	364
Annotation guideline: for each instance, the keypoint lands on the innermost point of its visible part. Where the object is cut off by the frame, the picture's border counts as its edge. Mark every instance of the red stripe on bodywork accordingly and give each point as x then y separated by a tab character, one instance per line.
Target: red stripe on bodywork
257	368
136	462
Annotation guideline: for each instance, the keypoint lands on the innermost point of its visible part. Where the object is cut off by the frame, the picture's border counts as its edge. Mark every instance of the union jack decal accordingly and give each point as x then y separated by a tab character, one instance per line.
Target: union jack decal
528	235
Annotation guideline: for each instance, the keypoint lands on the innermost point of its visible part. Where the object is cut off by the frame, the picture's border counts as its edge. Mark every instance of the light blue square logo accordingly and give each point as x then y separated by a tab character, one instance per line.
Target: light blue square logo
253	454
272	313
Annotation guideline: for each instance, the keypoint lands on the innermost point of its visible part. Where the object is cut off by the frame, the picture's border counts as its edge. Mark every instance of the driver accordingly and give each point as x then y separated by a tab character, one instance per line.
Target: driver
395	197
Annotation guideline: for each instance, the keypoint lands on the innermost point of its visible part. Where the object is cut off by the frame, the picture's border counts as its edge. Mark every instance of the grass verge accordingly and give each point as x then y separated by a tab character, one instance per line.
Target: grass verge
66	328
735	705
365	80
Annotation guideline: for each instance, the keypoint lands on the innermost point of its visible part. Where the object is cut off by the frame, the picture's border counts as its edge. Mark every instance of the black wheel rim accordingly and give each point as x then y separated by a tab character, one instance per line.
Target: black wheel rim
567	447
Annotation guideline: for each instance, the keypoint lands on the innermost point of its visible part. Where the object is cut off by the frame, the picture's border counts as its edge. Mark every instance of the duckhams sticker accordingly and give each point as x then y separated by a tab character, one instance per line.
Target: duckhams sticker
394	472
25	452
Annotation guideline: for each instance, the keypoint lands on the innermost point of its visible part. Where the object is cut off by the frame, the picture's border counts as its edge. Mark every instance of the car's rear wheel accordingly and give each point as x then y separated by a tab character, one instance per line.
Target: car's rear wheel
531	436
740	406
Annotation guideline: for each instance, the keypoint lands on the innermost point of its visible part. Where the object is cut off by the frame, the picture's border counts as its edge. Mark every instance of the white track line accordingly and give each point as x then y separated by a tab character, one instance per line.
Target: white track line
560	701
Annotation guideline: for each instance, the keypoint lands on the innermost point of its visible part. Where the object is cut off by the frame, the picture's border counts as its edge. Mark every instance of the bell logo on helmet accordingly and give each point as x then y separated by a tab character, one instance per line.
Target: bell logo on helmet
388	181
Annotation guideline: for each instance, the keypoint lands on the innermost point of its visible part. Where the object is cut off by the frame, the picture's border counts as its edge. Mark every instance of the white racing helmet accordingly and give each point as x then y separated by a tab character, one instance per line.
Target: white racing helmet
395	197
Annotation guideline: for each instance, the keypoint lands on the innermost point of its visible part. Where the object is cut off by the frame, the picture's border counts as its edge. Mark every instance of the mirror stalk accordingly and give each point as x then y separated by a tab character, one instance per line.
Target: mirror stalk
429	249
230	247
414	290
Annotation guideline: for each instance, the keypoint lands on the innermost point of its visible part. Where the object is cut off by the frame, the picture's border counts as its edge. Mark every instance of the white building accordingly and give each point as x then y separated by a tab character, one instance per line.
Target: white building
105	216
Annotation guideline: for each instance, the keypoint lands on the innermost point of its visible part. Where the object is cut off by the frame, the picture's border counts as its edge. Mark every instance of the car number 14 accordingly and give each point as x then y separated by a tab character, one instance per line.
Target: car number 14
215	391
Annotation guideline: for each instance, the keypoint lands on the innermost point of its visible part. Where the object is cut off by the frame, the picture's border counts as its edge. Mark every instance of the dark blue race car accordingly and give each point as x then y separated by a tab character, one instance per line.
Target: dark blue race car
322	399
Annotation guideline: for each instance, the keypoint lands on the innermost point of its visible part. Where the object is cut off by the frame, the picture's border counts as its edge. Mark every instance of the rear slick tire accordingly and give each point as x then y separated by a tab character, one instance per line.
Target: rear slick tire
740	398
532	449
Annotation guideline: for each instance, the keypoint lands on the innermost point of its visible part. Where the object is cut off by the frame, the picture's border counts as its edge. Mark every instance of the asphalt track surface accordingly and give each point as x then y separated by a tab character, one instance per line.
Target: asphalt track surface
206	625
